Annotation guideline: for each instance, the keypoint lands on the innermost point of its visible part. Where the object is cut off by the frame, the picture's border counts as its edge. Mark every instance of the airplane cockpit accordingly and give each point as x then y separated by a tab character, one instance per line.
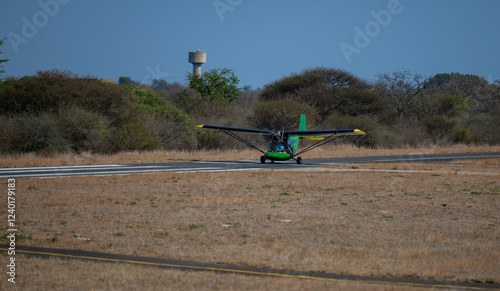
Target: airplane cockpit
279	146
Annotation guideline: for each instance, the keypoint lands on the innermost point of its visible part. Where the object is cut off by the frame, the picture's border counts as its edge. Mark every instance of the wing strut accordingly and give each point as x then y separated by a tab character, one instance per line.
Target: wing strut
317	144
240	139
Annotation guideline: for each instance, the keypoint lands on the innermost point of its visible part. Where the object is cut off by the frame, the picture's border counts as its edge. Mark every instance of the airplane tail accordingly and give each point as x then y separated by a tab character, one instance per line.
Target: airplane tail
302	125
294	141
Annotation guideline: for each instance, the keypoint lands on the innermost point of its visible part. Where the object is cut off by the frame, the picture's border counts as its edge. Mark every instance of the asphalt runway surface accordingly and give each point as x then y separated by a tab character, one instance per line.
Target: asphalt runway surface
67	254
220	166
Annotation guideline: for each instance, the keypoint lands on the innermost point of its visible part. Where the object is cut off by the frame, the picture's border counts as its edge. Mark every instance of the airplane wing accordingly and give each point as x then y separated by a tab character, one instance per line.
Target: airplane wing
309	134
322	134
229	131
239	129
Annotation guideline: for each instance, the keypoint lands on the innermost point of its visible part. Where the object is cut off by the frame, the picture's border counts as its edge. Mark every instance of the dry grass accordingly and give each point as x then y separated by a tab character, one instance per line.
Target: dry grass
76	275
458	167
32	160
438	221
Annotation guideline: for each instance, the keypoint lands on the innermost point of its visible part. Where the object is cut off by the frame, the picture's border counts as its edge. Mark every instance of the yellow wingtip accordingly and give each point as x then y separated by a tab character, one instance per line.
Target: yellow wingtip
200	126
359	131
315	138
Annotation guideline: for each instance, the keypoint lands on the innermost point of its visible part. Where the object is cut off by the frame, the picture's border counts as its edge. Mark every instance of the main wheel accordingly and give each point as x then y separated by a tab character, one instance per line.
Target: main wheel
299	160
263	159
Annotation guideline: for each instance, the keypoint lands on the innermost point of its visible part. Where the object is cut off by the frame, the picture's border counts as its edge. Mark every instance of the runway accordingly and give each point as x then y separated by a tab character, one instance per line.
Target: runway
242	270
220	166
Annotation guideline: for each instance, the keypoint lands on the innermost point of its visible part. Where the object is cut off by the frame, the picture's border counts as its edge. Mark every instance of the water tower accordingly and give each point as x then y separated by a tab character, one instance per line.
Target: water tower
197	58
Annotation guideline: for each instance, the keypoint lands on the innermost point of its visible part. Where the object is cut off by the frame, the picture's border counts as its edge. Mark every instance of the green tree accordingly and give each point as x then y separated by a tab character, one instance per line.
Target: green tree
447	105
318	78
127	81
159	84
216	84
90	114
475	89
172	126
439	113
285	113
329	91
2	71
438	126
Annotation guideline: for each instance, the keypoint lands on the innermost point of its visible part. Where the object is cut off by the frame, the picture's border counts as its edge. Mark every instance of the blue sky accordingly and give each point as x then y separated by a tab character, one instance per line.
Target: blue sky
261	41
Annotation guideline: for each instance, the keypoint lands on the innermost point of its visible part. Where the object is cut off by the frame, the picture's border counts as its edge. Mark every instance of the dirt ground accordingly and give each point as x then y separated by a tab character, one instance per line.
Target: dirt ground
430	221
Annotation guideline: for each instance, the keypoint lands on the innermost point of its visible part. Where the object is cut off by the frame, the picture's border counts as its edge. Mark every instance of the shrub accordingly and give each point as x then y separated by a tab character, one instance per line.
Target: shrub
462	135
8	133
438	126
413	133
278	114
48	91
171	126
364	123
188	99
133	136
30	133
153	103
484	128
85	130
386	138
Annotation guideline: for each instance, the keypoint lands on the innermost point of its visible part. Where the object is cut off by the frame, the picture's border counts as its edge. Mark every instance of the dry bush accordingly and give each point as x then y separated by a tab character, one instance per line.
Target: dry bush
32	133
85	130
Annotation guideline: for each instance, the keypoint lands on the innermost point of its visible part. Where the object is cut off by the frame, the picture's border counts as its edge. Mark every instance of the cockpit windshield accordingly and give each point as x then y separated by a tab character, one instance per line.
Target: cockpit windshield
279	146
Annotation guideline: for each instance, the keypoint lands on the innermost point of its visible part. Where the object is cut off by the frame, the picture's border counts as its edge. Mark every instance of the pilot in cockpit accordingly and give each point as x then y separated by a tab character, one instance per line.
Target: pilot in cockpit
282	148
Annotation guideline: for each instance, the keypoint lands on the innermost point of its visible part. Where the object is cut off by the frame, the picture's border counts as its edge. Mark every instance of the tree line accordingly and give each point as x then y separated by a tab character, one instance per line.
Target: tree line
57	111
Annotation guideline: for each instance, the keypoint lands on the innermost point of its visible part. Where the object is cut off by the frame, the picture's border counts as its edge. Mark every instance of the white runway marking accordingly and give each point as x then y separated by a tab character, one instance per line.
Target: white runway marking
216	166
228	162
433	158
221	170
64	171
61	168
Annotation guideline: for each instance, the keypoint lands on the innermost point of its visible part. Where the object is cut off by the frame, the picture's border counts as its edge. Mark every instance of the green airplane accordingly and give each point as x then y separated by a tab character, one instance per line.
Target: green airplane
283	145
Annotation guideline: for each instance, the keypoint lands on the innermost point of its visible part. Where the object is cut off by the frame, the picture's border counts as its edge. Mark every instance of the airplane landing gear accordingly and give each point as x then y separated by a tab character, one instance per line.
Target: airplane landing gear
299	160
263	160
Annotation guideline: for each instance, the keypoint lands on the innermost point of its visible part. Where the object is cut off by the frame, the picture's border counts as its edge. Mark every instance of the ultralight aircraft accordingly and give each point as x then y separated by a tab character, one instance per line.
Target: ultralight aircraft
283	145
